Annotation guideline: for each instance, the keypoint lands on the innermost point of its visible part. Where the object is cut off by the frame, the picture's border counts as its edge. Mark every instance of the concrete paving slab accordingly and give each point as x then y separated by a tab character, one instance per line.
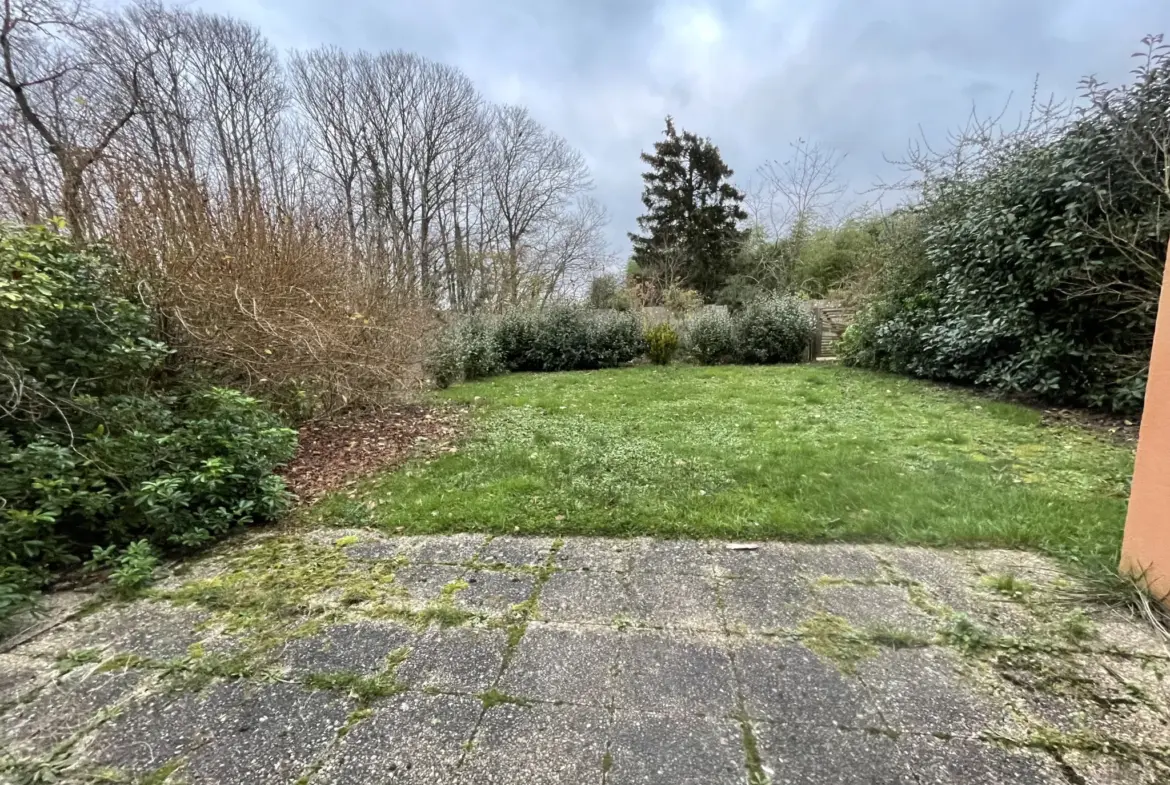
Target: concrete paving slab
679	557
585	597
676	600
461	659
556	663
679	749
785	682
876	607
157	630
817	755
966	762
66	707
920	690
494	592
359	647
537	745
764	604
425	582
600	553
672	673
410	739
850	562
672	662
235	732
517	551
450	549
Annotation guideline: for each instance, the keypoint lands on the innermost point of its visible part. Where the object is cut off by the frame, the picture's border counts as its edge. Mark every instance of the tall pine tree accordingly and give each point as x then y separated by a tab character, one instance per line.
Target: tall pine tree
691	226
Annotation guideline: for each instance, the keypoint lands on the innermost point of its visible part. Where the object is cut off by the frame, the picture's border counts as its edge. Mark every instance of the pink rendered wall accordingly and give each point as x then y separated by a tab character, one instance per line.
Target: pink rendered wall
1146	546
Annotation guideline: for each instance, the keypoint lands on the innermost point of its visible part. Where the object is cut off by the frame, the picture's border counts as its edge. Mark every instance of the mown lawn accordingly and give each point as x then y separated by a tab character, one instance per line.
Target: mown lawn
790	452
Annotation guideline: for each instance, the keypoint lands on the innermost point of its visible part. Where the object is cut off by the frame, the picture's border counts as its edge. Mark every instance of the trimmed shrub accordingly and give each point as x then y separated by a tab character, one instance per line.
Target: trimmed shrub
710	338
561	341
564	338
93	454
615	339
661	343
772	330
466	350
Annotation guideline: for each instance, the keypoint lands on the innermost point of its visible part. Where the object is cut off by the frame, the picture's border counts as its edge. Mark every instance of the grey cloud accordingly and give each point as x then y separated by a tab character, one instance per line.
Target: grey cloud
860	75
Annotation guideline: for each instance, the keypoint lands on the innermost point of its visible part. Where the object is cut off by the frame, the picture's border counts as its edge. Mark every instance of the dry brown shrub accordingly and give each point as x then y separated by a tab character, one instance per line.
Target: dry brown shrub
275	305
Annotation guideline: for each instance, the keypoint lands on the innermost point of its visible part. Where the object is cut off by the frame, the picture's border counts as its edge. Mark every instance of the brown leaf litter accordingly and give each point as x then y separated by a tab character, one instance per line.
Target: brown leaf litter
335	452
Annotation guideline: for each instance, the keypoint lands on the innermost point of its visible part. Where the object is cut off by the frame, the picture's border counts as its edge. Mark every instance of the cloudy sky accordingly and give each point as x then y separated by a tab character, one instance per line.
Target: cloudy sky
860	76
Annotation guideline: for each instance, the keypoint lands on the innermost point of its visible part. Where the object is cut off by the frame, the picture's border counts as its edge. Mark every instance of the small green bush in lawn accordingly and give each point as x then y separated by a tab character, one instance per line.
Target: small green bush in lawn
710	338
661	343
772	330
94	452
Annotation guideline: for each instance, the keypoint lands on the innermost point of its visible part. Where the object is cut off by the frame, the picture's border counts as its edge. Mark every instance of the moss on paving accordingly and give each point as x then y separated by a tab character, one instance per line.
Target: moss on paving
833	638
746	452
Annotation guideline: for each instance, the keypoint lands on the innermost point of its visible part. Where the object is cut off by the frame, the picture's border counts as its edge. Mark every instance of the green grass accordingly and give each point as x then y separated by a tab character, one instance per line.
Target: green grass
796	452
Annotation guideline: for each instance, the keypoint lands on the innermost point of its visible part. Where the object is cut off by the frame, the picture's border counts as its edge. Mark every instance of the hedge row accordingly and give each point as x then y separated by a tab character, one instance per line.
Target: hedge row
570	338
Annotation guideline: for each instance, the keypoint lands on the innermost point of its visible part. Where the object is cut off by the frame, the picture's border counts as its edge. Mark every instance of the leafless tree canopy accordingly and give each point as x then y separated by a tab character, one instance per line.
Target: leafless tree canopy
800	193
292	219
144	121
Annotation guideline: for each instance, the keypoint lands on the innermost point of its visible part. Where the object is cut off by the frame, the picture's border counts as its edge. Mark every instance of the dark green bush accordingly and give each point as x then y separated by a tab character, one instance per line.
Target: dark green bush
515	336
661	343
561	341
94	451
562	338
772	330
1041	267
615	339
466	350
710	338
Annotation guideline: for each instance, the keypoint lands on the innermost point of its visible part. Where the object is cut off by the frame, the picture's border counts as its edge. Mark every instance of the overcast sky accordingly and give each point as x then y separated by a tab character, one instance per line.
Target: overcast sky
858	75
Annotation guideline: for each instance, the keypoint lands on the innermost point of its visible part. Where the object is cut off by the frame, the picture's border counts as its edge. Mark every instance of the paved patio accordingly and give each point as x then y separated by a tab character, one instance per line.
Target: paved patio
338	657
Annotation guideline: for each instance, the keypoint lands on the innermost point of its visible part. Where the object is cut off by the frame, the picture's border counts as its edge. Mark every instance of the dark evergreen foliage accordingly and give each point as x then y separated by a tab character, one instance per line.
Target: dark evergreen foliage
691	227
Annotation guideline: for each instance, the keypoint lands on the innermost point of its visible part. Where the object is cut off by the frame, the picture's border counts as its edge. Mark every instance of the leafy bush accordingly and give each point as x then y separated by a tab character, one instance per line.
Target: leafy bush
661	343
562	338
561	341
772	330
710	338
130	569
466	350
515	335
1042	263
615	339
92	452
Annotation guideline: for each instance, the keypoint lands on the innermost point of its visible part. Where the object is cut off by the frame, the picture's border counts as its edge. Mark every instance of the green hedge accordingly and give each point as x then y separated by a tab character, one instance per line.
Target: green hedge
1038	273
562	338
569	338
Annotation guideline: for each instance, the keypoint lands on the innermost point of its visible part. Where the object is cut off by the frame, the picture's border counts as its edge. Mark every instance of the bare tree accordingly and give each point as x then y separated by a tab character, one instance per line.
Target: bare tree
68	86
533	174
800	193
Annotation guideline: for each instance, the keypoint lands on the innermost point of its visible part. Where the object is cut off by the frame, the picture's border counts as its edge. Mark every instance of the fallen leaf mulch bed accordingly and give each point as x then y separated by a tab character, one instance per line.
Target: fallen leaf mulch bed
332	453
